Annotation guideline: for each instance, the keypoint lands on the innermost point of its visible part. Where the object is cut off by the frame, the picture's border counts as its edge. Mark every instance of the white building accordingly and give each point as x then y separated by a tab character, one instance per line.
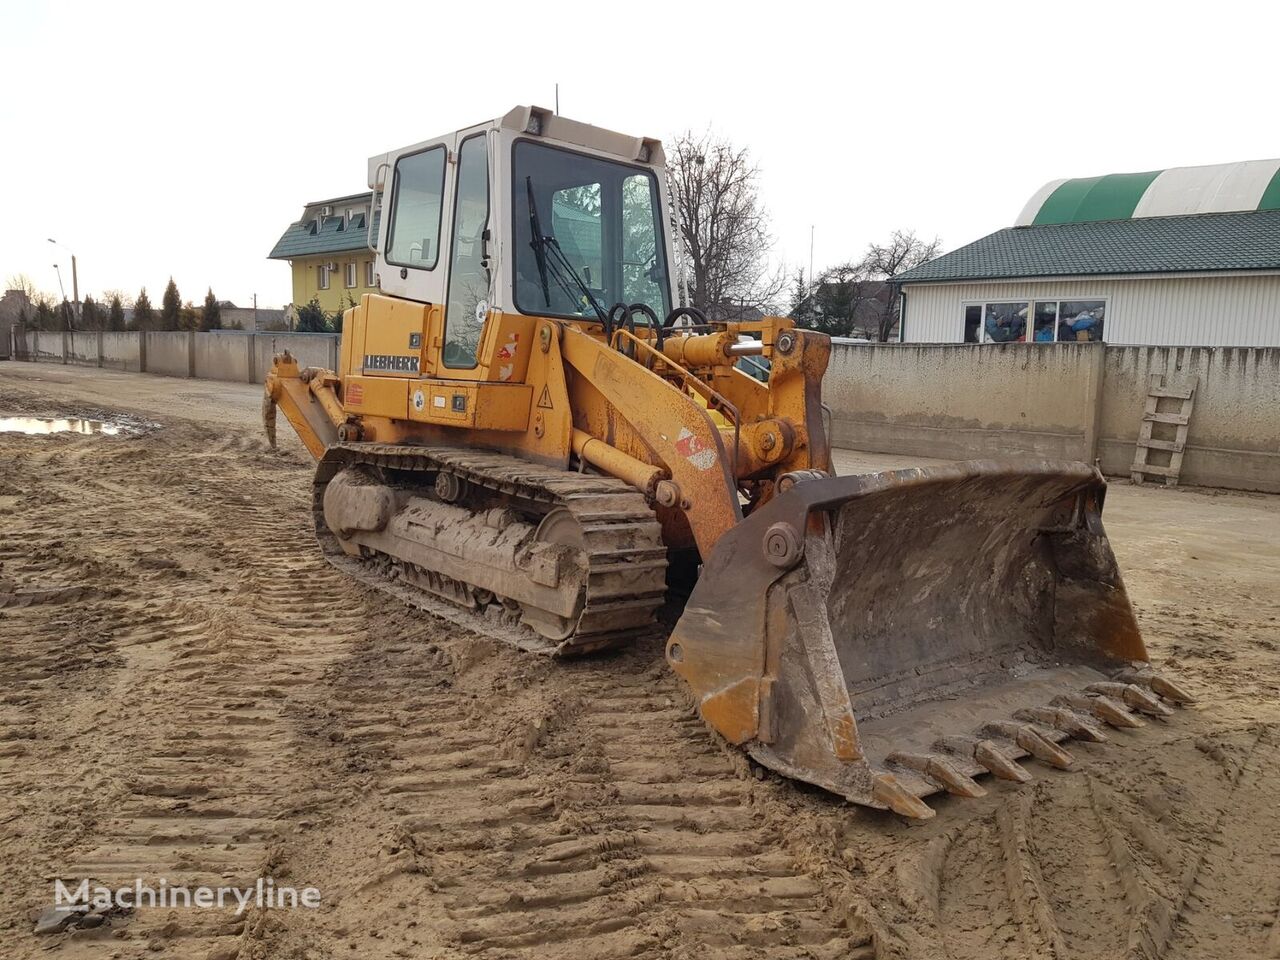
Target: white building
1183	257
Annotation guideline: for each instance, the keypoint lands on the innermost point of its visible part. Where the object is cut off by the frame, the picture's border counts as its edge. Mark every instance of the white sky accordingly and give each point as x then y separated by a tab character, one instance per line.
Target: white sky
169	139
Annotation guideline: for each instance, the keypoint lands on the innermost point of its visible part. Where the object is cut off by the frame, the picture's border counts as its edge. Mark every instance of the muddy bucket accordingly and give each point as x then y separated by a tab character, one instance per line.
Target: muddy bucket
891	635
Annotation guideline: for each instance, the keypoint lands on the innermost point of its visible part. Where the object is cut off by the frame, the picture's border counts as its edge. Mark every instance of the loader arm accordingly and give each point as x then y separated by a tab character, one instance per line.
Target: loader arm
309	400
678	431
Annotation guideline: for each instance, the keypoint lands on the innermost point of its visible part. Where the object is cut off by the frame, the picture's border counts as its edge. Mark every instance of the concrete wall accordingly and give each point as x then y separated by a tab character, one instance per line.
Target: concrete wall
122	351
168	353
81	347
224	356
46	345
1080	401
1212	310
1072	400
1234	436
964	402
221	355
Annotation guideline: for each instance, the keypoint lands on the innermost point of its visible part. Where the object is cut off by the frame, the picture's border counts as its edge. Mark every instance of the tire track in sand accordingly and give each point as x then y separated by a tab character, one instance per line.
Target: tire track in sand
605	824
178	761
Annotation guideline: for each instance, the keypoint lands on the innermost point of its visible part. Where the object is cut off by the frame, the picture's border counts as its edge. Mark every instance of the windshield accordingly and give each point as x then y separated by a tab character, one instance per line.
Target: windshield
603	217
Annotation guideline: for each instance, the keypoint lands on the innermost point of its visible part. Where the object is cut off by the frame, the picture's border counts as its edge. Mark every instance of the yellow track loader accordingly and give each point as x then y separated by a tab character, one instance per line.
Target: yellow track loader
527	435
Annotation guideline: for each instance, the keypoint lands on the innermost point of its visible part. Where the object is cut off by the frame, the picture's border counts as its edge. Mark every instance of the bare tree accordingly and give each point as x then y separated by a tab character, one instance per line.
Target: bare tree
902	252
20	281
723	227
126	300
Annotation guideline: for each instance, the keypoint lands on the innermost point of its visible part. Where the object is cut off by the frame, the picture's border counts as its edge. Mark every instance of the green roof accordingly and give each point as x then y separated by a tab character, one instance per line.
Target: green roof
1175	192
332	235
1203	242
1113	197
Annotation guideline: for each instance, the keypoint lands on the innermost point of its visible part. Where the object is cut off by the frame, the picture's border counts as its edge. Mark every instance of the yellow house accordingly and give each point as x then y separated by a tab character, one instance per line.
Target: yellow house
328	252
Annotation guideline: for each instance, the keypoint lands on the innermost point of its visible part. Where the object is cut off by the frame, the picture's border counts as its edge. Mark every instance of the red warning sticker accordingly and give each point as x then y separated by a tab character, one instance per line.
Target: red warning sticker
692	448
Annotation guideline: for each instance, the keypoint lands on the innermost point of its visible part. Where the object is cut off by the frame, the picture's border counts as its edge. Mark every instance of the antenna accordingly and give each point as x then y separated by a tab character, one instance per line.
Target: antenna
810	257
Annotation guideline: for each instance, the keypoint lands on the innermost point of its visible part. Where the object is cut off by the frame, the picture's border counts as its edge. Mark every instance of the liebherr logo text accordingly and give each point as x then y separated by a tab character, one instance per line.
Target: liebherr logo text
387	361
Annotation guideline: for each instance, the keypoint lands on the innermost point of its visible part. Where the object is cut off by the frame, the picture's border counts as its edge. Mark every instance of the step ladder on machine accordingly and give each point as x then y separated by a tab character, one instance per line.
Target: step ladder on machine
1170	428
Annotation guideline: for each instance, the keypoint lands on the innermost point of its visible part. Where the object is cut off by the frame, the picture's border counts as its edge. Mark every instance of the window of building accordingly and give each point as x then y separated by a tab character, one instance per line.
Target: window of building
1040	321
350	278
416	205
369	279
322	276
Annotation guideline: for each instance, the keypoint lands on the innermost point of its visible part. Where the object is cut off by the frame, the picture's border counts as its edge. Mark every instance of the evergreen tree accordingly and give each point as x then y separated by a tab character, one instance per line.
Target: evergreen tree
90	314
115	314
144	315
66	315
336	322
312	318
188	317
171	308
211	319
45	318
801	308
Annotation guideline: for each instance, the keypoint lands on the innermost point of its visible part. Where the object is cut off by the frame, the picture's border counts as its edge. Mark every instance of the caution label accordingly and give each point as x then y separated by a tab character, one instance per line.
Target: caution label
694	450
544	398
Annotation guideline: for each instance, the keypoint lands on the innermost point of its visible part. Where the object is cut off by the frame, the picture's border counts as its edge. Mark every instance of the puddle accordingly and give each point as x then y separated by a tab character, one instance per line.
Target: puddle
38	425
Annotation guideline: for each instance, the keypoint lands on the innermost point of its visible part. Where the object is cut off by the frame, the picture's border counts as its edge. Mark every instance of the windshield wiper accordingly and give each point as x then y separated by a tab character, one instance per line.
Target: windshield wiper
561	269
535	229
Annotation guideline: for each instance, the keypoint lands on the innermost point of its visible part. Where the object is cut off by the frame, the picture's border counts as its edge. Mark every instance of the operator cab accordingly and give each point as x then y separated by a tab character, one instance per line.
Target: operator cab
531	214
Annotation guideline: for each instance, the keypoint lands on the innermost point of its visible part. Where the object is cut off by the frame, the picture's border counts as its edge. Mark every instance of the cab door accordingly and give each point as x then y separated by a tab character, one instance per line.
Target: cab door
412	232
471	253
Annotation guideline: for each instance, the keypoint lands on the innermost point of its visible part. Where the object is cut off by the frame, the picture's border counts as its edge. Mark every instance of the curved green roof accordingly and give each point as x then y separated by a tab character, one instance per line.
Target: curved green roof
1178	191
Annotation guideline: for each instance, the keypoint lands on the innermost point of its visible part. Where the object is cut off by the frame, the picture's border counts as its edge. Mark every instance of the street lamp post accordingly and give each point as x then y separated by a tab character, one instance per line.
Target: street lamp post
75	280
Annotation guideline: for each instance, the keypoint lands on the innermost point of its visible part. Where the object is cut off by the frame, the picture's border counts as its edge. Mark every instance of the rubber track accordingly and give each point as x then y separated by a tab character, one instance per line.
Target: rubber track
627	573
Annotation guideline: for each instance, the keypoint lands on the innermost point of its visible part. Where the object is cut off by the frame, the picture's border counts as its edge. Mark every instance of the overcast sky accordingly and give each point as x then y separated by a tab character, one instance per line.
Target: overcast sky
173	139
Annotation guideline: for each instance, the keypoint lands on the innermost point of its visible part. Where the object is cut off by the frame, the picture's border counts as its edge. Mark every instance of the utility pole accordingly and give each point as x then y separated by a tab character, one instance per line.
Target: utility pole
255	312
557	99
75	280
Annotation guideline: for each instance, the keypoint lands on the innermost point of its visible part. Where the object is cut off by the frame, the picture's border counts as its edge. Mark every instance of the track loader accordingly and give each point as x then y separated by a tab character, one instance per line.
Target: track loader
528	435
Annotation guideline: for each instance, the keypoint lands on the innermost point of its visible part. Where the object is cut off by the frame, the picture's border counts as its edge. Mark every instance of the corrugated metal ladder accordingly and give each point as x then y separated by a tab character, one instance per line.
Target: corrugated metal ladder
1157	391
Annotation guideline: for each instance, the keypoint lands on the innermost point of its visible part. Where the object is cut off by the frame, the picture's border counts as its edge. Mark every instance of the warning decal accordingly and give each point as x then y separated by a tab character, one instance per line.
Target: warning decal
694	450
544	398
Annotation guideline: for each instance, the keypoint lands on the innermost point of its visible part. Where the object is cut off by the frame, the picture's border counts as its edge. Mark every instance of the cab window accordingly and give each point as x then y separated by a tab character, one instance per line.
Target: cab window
417	199
468	261
588	234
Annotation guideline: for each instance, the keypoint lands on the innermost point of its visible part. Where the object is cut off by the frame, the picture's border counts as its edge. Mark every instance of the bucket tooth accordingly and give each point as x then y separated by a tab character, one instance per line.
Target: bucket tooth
885	789
1029	739
1104	708
942	770
988	756
1133	696
1158	683
1068	721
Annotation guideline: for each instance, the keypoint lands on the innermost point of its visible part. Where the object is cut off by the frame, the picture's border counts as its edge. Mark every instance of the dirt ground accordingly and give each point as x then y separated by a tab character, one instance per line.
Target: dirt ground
188	692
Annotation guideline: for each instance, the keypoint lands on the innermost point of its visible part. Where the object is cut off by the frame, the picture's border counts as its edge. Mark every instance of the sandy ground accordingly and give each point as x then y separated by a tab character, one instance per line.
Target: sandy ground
188	692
